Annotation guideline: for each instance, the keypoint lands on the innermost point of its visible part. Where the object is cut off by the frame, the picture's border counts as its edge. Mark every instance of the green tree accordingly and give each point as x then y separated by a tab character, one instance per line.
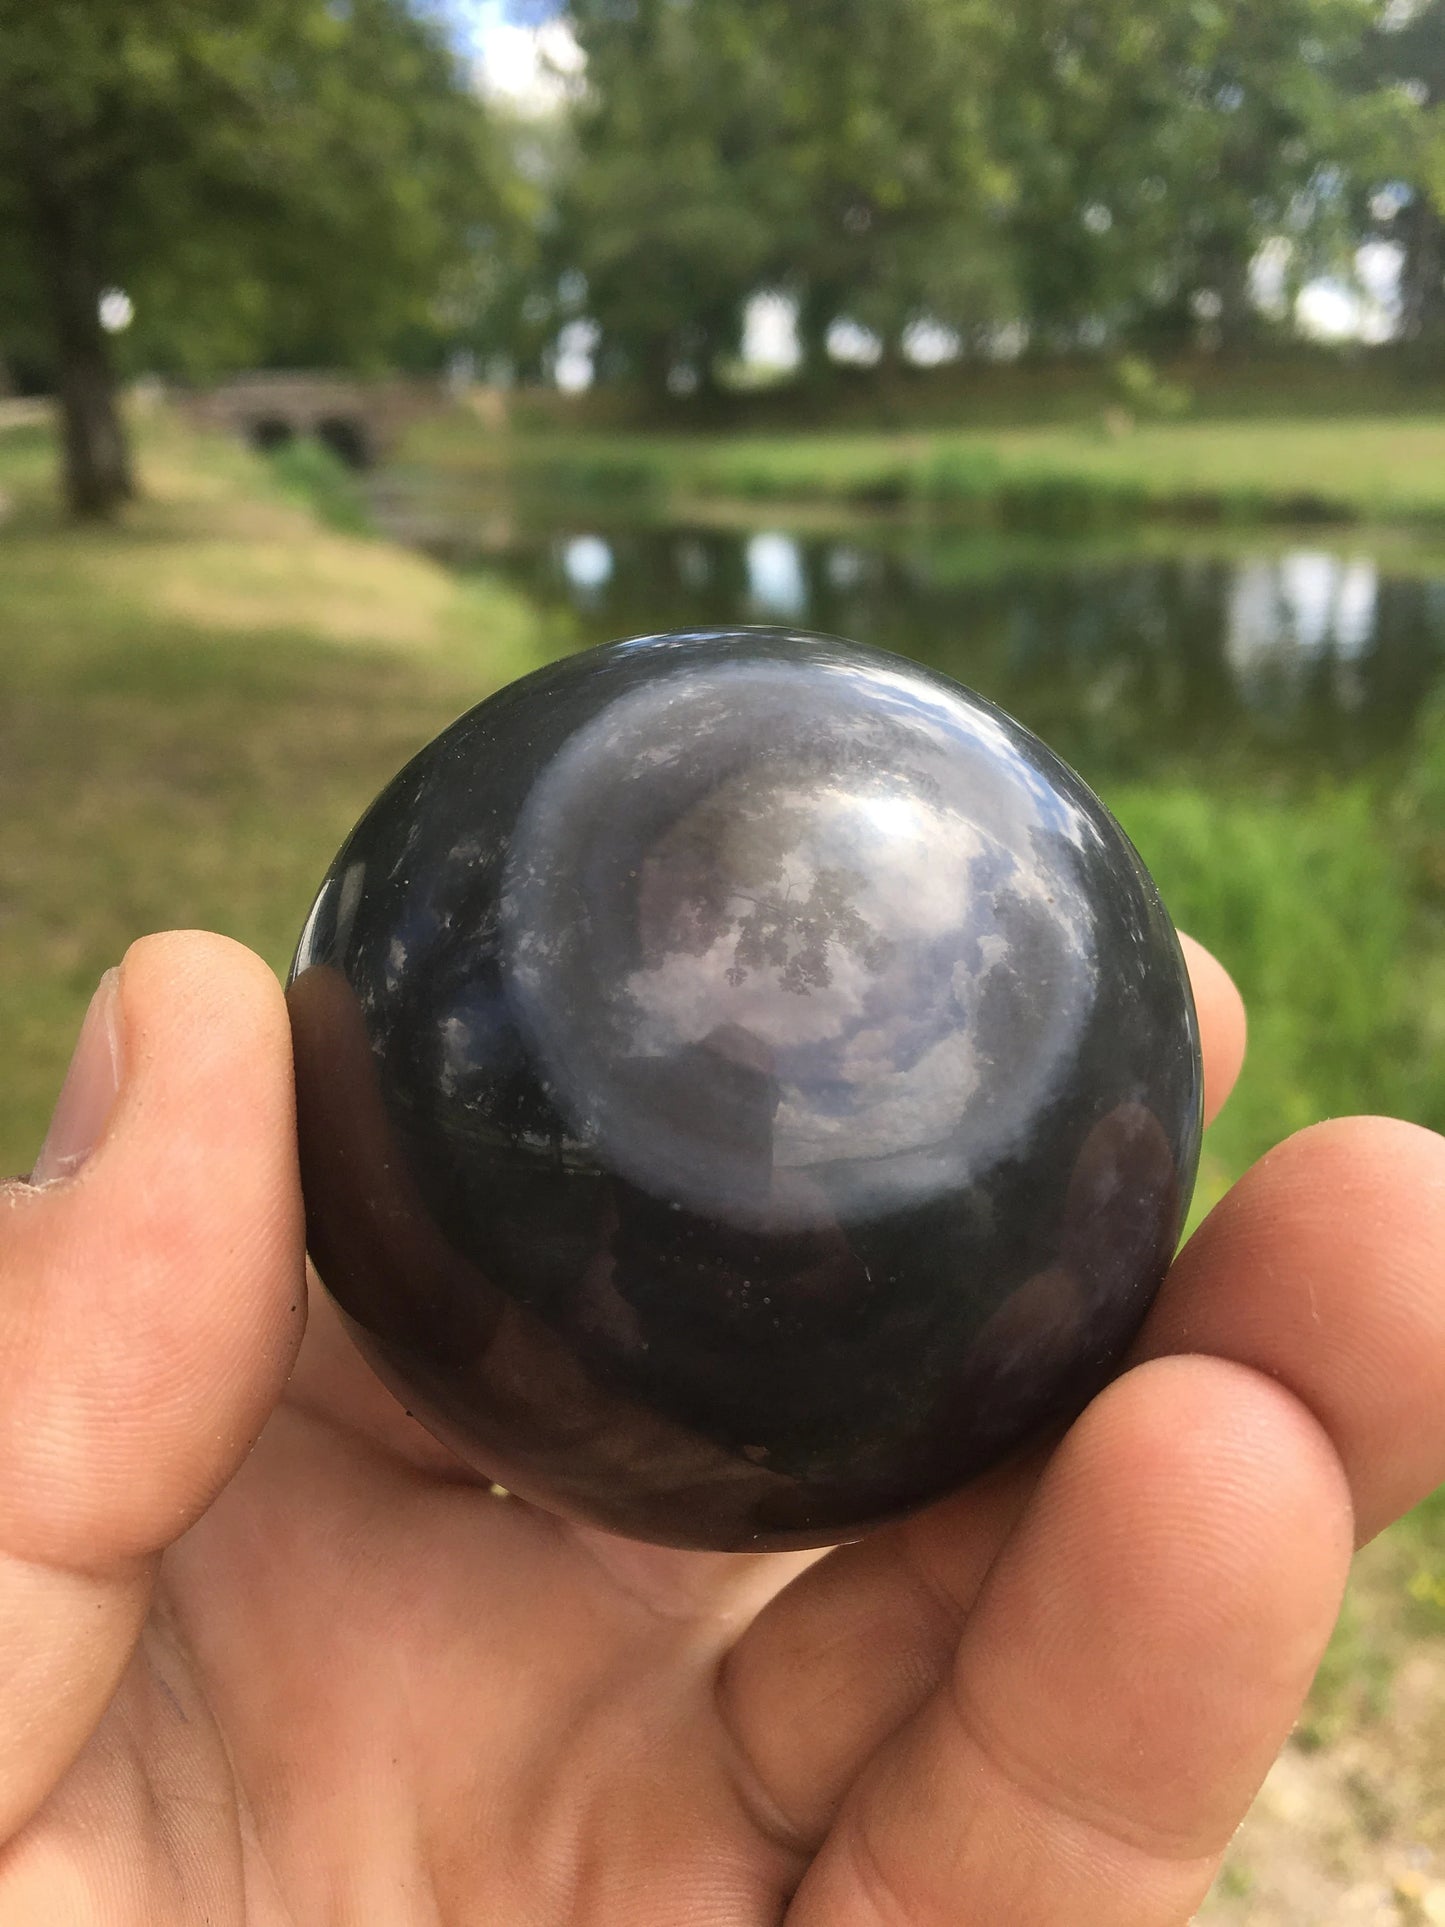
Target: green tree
676	194
1279	159
1103	172
502	302
1406	57
898	193
834	151
262	177
1153	150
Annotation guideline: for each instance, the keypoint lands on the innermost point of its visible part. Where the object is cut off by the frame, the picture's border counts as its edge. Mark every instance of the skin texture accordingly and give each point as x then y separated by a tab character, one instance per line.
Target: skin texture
272	1656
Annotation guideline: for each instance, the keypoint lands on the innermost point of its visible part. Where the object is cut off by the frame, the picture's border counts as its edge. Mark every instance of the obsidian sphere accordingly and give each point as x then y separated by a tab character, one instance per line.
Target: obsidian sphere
747	1086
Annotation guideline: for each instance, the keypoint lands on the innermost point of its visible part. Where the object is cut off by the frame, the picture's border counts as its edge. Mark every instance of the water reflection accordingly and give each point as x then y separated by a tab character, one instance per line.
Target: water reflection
587	565
694	568
777	578
1285	619
847	567
1119	664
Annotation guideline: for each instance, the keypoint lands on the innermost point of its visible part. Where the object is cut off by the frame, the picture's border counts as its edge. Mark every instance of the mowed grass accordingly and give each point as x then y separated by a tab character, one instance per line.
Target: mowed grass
1376	469
194	708
1056	478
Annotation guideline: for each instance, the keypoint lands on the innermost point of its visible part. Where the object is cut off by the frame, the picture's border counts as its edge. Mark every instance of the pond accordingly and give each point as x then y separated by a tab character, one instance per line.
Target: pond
1300	656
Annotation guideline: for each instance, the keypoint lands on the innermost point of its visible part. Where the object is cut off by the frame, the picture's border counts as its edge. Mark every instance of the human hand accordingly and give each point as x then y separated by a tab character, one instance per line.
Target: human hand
333	1679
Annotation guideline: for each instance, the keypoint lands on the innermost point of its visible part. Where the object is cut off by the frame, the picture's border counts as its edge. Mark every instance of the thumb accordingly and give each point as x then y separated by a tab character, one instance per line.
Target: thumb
152	1295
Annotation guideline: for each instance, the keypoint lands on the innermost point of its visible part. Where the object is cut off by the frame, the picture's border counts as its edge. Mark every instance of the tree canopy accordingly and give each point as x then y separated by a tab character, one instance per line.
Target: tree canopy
265	179
1087	170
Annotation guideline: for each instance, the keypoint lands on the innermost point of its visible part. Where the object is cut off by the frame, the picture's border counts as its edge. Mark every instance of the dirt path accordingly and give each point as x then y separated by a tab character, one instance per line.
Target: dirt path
1349	1829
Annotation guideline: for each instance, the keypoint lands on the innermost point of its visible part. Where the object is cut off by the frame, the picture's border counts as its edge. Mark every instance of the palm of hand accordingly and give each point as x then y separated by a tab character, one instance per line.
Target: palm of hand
454	1707
367	1690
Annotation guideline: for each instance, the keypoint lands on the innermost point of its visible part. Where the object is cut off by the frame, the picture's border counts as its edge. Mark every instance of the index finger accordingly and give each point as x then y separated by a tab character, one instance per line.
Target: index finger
1222	1025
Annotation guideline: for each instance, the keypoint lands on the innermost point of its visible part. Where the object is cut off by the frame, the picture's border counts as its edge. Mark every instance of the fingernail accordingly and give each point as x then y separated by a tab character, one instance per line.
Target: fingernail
89	1092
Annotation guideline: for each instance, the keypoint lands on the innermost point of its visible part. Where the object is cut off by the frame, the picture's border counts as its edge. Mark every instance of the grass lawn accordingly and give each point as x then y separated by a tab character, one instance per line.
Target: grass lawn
195	706
1053	478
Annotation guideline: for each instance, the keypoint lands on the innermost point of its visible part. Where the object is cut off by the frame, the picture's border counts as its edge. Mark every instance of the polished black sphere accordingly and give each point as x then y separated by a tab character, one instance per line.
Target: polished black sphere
747	1086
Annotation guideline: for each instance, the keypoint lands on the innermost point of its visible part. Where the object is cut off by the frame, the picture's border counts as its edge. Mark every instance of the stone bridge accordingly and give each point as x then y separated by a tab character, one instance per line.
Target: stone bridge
360	421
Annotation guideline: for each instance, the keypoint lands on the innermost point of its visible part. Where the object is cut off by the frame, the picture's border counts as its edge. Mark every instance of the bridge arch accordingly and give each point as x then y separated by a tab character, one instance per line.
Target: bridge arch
360	421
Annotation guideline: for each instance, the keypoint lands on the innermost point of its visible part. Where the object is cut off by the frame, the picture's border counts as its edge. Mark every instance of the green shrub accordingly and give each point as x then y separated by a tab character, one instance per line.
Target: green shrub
314	475
1311	903
884	488
1147	393
961	478
618	477
756	482
1061	504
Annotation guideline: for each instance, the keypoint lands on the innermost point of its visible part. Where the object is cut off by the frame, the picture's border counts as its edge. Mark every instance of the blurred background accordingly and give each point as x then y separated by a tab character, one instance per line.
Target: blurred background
358	355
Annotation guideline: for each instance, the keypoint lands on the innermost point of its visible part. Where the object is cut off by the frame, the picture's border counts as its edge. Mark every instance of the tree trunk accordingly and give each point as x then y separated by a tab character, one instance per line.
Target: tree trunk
98	474
656	357
818	308
1224	265
1422	278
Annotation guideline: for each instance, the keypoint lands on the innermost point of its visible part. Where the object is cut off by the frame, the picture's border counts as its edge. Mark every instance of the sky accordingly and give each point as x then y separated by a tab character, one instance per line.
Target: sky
516	45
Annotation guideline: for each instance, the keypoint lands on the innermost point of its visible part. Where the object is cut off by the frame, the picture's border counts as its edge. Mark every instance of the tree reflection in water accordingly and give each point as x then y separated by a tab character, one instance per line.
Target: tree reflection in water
1119	662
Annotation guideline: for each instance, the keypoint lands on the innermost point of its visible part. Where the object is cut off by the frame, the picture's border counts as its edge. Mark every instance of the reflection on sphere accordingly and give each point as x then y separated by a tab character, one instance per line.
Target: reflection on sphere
747	1085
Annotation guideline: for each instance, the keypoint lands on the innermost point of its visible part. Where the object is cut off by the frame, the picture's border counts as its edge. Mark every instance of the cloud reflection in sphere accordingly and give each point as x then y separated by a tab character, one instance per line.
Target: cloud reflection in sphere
747	1085
848	884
